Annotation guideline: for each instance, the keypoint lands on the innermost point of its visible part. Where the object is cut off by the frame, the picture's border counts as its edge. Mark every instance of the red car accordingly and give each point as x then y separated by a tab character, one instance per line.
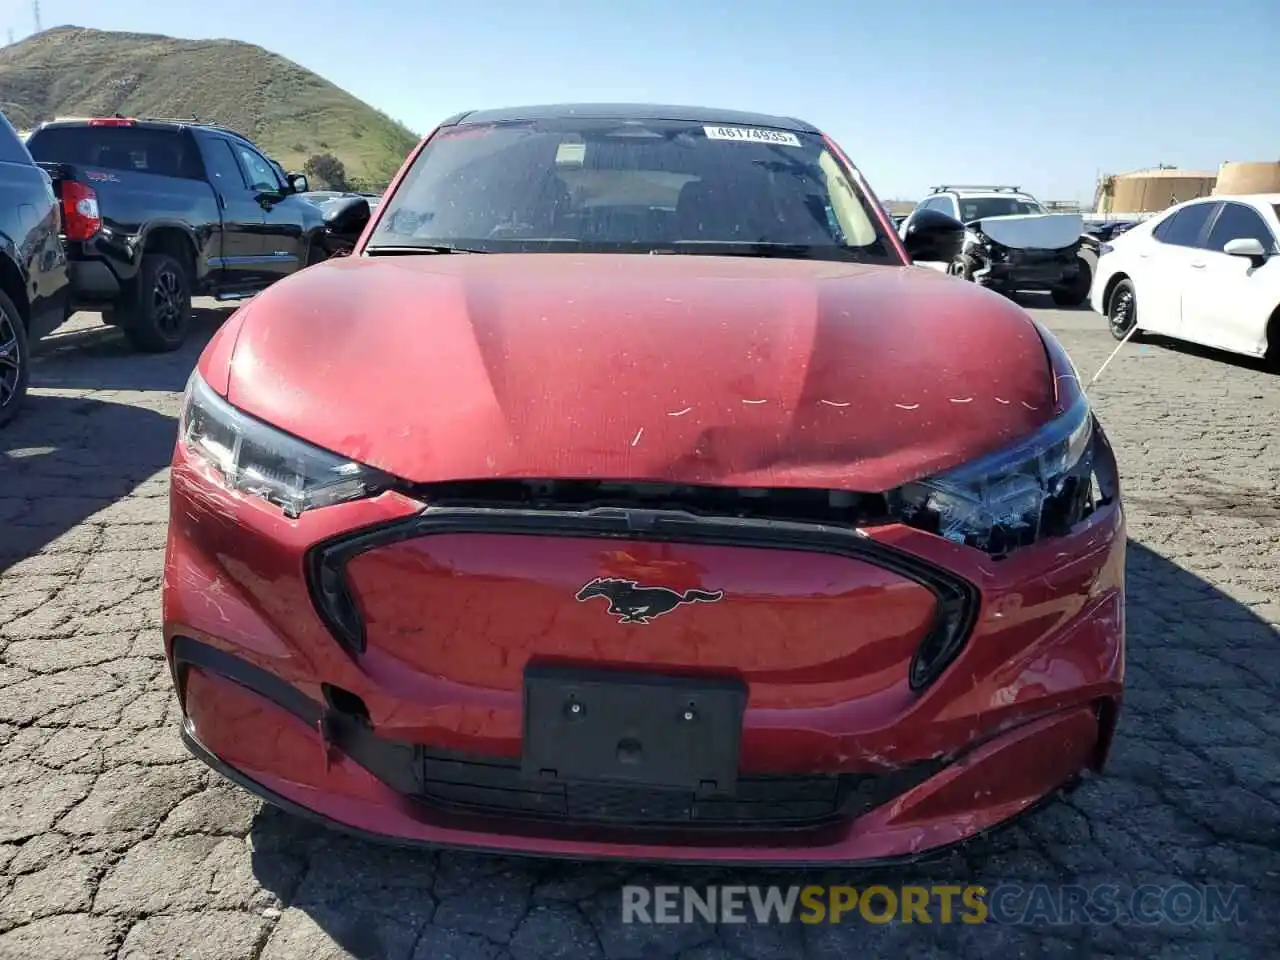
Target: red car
627	493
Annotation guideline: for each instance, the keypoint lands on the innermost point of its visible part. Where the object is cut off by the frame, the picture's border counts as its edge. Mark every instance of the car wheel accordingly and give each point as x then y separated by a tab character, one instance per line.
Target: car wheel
1077	291
961	267
1122	311
157	317
15	360
1271	359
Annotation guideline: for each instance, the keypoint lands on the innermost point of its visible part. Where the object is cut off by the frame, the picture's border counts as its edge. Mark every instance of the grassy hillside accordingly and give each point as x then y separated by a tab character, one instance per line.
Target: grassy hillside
288	110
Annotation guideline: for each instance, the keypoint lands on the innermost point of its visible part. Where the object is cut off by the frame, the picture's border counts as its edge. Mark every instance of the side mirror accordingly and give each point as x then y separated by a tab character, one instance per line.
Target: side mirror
1245	247
931	236
346	218
298	183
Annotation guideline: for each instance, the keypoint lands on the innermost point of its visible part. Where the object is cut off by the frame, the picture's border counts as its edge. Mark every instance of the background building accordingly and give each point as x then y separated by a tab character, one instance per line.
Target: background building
1152	190
1235	178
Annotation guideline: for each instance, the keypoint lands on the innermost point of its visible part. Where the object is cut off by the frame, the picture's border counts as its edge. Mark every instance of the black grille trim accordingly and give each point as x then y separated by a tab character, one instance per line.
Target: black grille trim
955	614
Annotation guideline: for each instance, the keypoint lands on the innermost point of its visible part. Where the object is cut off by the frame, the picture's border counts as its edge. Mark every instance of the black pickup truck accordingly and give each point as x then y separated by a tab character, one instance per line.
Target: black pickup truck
33	266
155	212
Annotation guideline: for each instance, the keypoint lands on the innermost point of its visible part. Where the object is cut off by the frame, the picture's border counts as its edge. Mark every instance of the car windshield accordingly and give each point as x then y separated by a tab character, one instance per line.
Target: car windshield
979	208
611	186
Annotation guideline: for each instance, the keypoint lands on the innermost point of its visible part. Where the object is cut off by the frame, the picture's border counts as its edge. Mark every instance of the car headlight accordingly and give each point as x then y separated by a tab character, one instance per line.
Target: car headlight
1041	486
253	457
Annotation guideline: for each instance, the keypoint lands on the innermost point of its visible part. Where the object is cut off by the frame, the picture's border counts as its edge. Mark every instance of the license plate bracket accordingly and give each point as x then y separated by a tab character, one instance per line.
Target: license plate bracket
624	727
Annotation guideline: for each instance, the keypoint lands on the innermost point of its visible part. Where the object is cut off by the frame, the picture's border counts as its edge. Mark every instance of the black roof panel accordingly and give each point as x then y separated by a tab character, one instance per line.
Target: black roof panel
633	111
146	123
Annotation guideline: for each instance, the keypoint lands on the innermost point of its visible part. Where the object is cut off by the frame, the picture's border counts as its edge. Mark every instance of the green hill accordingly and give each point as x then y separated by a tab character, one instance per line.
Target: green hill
290	111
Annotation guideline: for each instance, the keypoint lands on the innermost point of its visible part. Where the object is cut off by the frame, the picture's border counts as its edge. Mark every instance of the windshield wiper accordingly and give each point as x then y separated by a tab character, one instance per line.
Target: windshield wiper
410	249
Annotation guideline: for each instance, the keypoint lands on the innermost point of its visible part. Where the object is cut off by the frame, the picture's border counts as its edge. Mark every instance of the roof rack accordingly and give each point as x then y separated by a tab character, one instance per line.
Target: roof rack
994	188
169	119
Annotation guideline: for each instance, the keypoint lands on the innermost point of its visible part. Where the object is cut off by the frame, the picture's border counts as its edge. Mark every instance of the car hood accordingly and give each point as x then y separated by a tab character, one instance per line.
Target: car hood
718	370
1034	231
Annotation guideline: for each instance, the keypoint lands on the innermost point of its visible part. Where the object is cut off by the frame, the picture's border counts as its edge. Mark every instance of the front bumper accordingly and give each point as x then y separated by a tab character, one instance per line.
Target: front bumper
855	768
1027	270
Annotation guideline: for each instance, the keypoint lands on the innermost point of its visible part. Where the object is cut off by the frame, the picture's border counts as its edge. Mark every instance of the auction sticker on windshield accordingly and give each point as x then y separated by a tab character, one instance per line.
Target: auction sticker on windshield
752	135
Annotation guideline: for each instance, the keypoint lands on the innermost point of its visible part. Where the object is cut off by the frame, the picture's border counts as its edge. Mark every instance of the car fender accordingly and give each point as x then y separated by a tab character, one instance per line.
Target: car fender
198	241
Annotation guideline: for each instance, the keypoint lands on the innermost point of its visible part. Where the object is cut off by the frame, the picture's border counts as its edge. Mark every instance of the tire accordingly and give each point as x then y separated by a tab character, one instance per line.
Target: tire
961	267
15	360
1076	292
1122	311
1271	359
156	314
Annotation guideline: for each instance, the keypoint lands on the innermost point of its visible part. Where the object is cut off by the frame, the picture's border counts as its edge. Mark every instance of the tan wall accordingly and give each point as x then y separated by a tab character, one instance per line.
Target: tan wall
1153	194
1237	178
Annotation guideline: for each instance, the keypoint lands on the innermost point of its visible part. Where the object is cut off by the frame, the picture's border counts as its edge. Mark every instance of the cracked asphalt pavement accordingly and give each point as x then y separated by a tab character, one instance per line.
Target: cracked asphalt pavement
115	844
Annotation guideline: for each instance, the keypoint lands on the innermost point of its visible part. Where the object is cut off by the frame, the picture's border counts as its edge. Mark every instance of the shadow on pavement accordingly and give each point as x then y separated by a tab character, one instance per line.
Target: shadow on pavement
98	357
67	457
377	901
1210	353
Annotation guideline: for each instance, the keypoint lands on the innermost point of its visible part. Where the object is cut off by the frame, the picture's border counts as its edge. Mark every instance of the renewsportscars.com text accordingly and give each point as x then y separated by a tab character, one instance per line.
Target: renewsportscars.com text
1006	903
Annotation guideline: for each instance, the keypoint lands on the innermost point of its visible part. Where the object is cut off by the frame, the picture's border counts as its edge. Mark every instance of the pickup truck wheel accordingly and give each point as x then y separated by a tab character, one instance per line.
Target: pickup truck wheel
157	316
15	360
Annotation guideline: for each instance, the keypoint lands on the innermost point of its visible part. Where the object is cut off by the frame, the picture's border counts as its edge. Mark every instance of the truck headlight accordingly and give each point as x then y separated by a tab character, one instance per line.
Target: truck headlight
252	457
1041	486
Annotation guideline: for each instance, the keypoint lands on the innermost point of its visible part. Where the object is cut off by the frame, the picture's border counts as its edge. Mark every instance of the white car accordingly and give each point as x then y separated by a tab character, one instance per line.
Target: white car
1206	271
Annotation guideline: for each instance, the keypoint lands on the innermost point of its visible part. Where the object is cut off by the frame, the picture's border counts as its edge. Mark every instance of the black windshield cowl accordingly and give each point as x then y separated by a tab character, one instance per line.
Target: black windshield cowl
705	248
387	250
785	251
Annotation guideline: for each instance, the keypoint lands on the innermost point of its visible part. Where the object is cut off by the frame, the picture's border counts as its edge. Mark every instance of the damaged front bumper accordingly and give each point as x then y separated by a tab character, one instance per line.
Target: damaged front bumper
998	266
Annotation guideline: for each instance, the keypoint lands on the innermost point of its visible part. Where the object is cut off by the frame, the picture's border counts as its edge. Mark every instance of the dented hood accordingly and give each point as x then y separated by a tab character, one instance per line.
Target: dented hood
733	371
1034	231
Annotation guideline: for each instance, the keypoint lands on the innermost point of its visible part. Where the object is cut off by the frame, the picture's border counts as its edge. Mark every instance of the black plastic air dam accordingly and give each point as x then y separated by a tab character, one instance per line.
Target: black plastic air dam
462	786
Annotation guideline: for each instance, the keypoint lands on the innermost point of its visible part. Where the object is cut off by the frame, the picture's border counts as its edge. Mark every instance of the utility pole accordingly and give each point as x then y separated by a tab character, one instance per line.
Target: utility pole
11	36
35	9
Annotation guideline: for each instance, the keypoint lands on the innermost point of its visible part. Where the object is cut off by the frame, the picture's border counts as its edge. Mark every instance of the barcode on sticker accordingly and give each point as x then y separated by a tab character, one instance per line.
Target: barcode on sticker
752	135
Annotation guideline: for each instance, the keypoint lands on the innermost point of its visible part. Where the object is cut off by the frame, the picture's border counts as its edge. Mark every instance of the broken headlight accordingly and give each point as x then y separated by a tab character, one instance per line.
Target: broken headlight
1041	486
253	457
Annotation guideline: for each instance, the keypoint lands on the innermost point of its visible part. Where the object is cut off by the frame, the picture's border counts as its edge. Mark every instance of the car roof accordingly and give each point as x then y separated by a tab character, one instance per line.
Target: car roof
997	191
1258	198
631	111
146	123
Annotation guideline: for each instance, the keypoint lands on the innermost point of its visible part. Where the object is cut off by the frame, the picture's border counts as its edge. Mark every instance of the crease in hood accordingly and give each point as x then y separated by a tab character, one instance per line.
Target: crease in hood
713	370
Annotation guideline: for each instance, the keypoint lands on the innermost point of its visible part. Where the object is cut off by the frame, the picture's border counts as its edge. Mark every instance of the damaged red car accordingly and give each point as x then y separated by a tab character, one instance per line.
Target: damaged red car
626	492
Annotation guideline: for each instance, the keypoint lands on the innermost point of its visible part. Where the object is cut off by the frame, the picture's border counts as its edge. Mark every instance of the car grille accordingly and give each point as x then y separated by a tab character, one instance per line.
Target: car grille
1028	258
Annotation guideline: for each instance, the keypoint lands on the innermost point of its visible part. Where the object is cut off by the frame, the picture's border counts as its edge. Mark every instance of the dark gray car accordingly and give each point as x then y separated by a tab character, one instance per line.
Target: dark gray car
33	266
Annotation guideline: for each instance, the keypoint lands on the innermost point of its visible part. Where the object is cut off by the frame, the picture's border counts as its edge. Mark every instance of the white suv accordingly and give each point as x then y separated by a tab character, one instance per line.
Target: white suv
1012	242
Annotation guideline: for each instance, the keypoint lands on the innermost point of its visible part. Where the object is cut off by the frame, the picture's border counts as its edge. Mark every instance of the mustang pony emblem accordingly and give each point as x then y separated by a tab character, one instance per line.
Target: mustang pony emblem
632	603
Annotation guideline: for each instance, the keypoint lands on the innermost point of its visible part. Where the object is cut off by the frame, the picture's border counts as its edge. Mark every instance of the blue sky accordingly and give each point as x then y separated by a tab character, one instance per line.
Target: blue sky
1041	94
